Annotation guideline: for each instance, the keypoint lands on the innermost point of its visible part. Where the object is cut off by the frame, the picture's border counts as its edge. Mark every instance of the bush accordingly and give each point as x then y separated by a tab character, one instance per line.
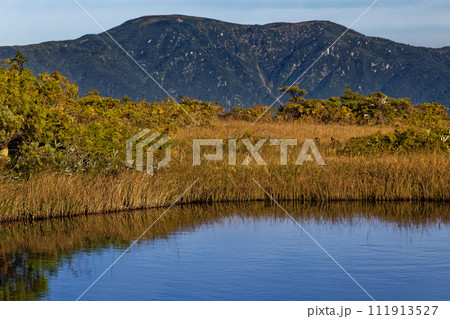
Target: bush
256	112
353	108
405	140
43	123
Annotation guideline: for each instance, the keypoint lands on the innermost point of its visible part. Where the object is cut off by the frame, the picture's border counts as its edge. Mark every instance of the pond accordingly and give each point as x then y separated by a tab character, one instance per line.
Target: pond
252	251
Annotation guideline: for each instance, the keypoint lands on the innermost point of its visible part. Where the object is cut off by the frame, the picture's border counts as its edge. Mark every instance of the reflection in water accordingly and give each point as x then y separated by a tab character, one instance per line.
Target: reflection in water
22	277
31	254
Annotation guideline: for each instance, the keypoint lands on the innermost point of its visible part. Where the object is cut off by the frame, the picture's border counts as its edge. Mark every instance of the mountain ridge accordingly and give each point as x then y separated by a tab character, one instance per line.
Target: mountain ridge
240	64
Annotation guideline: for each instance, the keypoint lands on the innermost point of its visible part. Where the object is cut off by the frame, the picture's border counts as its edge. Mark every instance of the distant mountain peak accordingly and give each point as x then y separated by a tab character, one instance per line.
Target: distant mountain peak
241	64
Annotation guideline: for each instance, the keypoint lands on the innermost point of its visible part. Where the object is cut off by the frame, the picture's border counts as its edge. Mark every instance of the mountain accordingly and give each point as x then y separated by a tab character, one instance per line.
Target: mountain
241	64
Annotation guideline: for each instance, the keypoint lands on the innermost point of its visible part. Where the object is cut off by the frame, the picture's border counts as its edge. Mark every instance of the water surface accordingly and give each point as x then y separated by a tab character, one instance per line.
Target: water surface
254	251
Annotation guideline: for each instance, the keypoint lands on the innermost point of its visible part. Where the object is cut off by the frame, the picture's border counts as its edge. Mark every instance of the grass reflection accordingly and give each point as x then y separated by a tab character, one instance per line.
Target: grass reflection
32	252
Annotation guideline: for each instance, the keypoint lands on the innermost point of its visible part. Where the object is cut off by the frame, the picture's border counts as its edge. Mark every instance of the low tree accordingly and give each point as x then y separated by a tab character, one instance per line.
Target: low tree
19	60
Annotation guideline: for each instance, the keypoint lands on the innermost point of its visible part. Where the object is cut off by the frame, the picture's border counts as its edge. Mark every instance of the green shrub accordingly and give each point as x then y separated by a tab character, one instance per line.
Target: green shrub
353	108
256	112
401	140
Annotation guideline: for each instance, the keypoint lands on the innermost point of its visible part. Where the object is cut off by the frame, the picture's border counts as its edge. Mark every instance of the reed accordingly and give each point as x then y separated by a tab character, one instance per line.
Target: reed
414	176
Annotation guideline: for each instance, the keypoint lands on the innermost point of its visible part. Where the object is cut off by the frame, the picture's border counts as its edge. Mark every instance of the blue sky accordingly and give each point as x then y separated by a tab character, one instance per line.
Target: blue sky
416	22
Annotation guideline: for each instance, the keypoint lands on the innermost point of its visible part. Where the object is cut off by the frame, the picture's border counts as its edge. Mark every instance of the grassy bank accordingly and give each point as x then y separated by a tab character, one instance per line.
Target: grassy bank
411	176
63	155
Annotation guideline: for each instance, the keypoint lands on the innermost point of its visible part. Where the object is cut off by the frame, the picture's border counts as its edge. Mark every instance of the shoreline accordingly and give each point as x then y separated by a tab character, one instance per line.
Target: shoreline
412	176
129	226
186	204
56	211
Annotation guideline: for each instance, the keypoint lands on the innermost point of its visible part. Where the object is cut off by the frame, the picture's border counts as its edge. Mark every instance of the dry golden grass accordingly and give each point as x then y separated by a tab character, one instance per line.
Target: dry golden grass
412	177
281	129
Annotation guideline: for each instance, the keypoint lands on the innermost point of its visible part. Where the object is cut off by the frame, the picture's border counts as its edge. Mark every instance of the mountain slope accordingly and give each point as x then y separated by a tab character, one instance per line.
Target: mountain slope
241	64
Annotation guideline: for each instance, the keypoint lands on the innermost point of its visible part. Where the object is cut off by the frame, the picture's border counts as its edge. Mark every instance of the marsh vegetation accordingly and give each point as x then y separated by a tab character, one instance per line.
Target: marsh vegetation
64	155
